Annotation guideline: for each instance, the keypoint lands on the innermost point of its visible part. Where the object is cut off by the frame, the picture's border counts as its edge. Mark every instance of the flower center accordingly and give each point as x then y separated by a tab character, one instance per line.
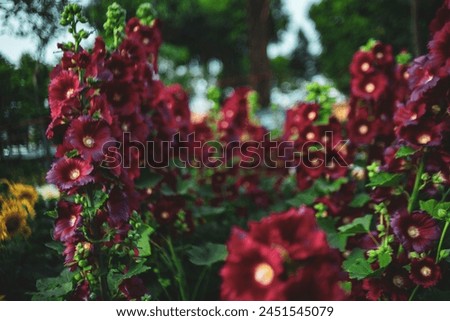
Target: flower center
125	127
413	232
264	274
424	139
365	66
136	29
88	141
165	215
69	93
425	271
117	97
379	55
369	88
312	115
13	224
146	41
72	220
74	174
406	75
398	281
229	113
310	136
413	116
363	129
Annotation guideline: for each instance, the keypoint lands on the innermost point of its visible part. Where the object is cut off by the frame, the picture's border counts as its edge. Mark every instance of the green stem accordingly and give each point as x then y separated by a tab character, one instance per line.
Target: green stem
199	282
415	192
441	240
413	293
179	277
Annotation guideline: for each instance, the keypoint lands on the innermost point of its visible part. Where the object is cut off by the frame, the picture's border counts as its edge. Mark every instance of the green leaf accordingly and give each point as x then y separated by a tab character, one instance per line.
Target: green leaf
384	258
384	179
207	254
306	197
360	200
357	266
359	225
54	289
326	187
439	210
143	244
405	151
335	239
206	211
100	198
57	246
115	278
148	180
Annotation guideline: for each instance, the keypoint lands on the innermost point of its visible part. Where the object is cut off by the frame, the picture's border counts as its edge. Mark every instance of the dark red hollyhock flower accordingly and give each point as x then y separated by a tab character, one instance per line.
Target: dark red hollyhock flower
440	47
251	271
421	77
394	284
67	173
63	92
409	113
68	253
133	288
383	54
294	234
401	77
425	272
370	87
82	292
118	206
234	114
120	67
305	112
134	124
318	281
177	101
166	209
69	218
89	137
425	132
131	48
441	18
362	63
99	108
122	96
361	128
416	232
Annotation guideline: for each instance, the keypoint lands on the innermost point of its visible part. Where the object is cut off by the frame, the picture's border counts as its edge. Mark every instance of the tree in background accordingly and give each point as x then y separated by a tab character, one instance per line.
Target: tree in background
345	25
234	32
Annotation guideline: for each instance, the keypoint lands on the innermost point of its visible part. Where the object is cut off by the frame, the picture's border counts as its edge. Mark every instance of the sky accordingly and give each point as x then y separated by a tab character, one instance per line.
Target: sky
13	47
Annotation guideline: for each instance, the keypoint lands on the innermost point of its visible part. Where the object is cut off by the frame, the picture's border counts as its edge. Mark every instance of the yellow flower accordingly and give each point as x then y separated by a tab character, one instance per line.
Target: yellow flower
13	220
24	192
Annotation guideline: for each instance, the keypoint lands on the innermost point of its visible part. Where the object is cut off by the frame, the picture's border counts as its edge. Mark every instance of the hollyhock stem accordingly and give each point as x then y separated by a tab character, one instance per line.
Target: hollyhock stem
415	192
444	231
413	293
179	270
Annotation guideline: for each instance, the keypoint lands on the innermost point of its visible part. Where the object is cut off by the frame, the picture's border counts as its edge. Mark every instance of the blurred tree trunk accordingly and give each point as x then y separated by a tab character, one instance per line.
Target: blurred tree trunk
258	34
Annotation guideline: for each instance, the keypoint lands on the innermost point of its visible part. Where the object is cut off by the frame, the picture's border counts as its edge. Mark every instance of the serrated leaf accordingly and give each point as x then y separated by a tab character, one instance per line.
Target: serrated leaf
384	259
207	254
335	239
325	187
306	197
359	225
54	289
384	179
115	278
143	244
360	200
357	266
438	210
405	151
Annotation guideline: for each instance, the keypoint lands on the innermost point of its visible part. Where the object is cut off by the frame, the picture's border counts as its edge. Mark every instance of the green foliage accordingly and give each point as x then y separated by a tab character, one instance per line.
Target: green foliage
207	254
360	200
384	179
343	25
357	265
146	13
439	210
357	226
54	289
320	94
405	151
115	24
